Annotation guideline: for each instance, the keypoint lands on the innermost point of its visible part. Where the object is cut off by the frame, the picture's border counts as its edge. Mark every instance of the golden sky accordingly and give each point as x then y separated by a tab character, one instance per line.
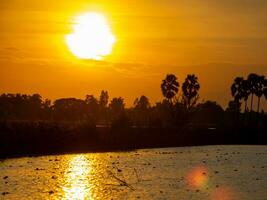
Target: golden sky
215	39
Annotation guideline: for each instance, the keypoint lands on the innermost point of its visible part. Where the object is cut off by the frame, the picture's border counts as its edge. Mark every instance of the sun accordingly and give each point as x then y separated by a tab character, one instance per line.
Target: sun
91	38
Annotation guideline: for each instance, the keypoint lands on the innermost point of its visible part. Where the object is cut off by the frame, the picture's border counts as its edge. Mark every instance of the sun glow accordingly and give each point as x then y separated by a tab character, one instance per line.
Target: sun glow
76	176
91	38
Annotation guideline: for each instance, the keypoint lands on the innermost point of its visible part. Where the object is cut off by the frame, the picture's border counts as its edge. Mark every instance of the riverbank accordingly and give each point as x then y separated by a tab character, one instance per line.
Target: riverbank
45	138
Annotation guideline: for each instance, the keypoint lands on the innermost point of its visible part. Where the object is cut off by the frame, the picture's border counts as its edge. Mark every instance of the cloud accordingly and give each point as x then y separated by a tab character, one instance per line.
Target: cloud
11	49
127	69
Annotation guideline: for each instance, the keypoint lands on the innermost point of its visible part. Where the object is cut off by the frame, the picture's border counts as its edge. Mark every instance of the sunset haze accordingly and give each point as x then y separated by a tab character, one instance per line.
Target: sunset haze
216	40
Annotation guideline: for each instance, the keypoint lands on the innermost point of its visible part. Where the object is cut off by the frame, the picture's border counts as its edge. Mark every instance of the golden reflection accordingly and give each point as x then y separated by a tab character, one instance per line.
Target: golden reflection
77	175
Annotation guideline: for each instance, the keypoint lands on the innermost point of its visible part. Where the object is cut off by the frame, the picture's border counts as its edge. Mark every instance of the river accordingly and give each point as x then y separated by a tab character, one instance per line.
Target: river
208	172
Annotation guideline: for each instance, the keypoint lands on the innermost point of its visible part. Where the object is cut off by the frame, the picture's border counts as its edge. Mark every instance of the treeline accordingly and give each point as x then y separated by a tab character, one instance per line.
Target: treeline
180	106
31	125
254	86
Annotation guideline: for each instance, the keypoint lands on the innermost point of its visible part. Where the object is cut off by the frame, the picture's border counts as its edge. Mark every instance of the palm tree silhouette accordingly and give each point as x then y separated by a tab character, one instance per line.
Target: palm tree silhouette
240	89
259	90
252	80
237	88
245	92
190	90
169	87
265	88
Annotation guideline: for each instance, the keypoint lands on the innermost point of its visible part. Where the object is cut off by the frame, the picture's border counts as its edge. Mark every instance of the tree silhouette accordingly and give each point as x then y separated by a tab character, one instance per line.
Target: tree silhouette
237	89
117	106
69	109
245	92
233	110
209	112
23	107
141	111
142	103
103	99
103	102
15	107
162	114
92	106
46	109
34	105
190	90
252	80
265	88
169	87
259	90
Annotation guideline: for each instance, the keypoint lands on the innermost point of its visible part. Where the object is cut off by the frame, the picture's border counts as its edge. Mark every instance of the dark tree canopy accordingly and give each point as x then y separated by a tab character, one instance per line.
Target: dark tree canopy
233	106
142	103
209	112
69	109
254	85
117	105
103	99
92	105
237	88
21	106
169	86
190	90
166	113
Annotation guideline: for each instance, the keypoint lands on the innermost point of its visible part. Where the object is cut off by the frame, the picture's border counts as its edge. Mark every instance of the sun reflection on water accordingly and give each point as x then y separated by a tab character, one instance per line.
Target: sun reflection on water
77	175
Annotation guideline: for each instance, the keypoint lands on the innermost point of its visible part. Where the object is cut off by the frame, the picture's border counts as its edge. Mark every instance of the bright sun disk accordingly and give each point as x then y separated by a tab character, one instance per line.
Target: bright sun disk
91	38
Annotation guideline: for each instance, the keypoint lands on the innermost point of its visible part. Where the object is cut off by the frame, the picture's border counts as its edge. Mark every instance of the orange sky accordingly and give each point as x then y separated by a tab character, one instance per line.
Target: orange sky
217	40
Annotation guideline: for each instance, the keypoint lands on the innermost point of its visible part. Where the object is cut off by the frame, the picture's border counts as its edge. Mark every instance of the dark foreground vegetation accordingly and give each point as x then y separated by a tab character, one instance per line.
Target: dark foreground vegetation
30	125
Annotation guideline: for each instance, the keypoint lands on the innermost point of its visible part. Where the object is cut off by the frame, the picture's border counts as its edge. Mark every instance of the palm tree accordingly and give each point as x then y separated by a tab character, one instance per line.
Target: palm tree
237	88
265	88
259	90
240	90
245	92
252	80
190	91
169	87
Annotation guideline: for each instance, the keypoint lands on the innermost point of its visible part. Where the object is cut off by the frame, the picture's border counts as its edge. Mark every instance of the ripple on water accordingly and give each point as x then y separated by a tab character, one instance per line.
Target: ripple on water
229	172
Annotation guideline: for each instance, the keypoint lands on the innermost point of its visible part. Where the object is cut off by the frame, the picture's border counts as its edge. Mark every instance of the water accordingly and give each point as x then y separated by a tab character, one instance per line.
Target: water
211	172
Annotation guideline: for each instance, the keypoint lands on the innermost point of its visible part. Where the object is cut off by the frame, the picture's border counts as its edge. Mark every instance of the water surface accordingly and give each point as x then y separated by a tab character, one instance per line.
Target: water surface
211	172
